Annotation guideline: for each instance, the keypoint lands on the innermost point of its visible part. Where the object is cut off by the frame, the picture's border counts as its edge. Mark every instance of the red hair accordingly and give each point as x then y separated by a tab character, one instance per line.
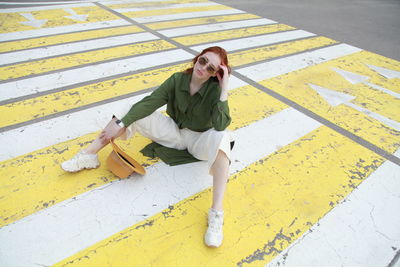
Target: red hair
217	50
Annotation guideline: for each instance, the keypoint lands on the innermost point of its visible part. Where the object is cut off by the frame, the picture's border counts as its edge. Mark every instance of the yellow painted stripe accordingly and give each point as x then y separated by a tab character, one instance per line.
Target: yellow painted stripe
380	61
66	38
155	12
61	101
79	59
230	34
11	22
53	103
199	21
267	207
268	52
34	181
153	4
295	86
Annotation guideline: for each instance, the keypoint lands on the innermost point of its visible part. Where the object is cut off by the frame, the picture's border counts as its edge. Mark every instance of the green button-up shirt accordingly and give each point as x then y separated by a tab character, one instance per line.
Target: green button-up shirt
199	112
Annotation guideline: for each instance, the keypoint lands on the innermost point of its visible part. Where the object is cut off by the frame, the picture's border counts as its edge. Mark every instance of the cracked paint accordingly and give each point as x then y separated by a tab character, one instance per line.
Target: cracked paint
199	21
283	194
294	86
55	17
268	249
66	38
272	51
80	59
64	185
230	34
66	100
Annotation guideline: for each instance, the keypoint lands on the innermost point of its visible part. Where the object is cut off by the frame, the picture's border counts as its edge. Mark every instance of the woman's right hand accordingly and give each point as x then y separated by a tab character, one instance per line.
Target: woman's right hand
112	130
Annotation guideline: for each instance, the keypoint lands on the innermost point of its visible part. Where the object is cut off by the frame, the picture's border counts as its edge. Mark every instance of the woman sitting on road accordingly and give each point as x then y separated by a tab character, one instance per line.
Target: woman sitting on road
198	116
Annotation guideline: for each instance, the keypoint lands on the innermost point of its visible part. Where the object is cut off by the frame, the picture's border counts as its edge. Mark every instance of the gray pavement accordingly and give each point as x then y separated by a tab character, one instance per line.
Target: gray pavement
373	25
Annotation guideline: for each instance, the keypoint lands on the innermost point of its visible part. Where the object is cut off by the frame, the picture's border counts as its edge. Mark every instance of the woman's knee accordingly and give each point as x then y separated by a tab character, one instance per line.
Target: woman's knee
221	160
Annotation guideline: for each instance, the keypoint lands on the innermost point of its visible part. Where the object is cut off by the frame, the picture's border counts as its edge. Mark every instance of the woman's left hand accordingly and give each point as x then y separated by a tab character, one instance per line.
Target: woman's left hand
223	82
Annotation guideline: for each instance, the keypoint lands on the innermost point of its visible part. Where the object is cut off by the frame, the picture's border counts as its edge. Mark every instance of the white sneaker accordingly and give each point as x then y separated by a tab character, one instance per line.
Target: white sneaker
214	235
81	161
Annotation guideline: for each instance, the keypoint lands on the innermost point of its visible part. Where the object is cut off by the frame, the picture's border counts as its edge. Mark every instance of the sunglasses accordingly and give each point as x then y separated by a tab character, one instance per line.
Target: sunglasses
210	69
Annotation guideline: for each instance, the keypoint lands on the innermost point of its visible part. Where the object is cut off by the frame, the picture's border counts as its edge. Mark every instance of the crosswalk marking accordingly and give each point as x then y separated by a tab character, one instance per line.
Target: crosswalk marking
198	21
147	3
61	49
369	113
77	97
270	199
231	34
136	3
272	51
99	71
30	137
163	193
31	21
156	12
360	219
255	41
12	36
12	22
41	8
82	59
258	106
161	7
46	106
287	170
66	38
278	67
215	27
186	15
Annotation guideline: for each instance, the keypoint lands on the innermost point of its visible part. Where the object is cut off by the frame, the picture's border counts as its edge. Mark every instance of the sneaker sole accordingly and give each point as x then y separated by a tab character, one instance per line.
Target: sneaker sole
80	169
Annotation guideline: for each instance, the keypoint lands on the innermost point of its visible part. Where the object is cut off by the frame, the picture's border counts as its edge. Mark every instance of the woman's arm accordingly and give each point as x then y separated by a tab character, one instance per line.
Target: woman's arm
223	82
220	114
141	109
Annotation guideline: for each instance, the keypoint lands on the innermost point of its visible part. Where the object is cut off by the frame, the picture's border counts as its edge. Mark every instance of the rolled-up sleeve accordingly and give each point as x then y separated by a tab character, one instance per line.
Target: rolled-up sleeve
150	103
220	116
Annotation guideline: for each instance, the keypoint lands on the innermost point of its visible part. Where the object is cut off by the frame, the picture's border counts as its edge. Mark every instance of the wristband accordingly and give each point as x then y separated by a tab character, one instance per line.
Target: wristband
120	123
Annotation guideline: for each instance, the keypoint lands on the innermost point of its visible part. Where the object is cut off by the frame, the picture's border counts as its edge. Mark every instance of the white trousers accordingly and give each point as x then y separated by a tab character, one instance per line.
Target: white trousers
163	130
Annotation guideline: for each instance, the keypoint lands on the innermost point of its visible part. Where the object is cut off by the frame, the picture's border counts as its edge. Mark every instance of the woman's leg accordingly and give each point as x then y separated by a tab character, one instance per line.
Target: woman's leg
99	142
87	158
220	170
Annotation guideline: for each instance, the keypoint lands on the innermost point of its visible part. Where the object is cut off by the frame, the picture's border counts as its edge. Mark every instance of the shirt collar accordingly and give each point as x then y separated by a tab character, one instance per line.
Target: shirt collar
203	88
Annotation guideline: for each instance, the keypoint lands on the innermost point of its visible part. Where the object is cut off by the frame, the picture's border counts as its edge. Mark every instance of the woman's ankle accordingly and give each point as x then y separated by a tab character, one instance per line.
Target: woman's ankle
89	151
217	208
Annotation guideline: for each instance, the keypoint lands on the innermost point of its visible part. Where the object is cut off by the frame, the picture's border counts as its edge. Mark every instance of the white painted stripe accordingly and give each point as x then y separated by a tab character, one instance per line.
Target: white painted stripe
54	129
37	53
58	230
30	138
382	89
391	123
368	224
254	41
11	36
215	27
40	8
78	2
285	65
128	9
128	1
92	72
188	15
45	3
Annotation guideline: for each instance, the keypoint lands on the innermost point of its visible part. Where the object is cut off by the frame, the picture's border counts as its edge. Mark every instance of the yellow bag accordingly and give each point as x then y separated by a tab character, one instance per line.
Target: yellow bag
121	164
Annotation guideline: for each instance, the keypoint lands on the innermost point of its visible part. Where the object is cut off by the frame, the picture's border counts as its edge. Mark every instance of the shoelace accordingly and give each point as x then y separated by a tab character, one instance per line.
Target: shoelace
215	223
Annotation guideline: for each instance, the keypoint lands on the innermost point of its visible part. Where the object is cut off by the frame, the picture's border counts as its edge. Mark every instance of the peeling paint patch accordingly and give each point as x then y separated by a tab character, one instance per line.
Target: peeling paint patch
274	246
